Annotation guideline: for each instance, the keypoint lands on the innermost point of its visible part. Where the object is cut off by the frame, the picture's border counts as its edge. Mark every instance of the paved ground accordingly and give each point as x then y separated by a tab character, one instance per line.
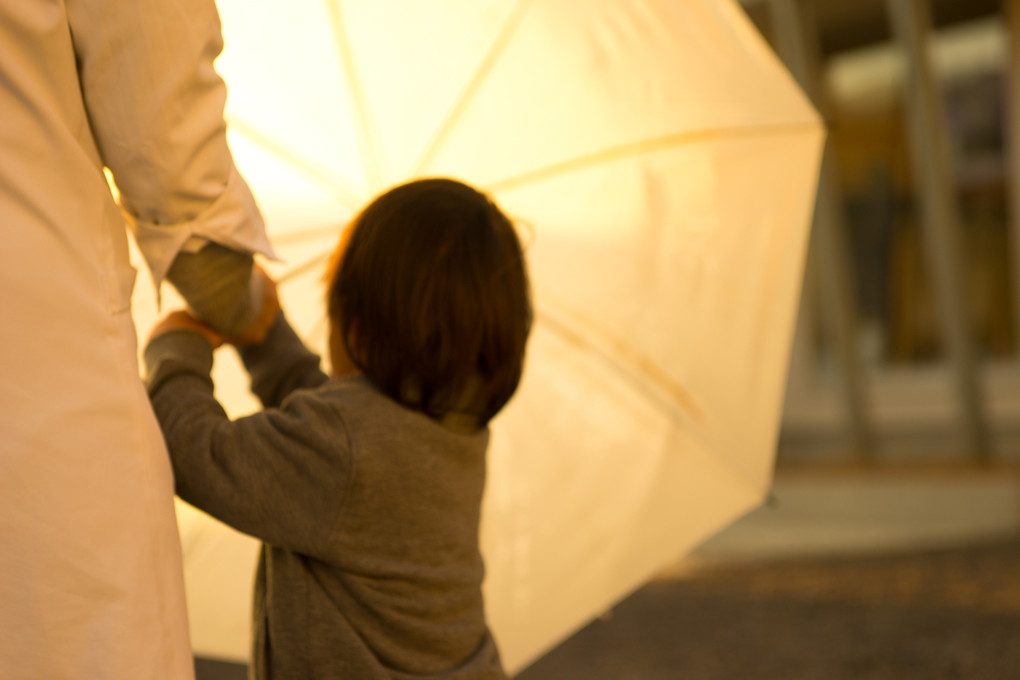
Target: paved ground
846	577
932	614
928	615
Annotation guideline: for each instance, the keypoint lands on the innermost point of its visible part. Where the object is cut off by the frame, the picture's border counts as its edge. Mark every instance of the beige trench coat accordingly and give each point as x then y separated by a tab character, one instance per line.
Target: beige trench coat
90	569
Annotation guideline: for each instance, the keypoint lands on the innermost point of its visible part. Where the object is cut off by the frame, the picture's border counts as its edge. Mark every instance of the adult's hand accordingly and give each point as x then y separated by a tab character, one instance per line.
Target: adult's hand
256	332
181	319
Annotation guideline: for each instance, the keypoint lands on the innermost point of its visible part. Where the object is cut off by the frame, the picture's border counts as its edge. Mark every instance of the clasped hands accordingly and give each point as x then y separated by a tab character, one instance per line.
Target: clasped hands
253	335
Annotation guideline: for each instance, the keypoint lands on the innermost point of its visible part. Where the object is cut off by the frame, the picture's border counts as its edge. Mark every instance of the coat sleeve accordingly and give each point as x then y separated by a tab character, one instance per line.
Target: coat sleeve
279	475
155	106
281	364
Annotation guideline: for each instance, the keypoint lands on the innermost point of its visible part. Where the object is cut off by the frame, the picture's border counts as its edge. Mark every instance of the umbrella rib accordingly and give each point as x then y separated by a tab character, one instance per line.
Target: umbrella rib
303	267
453	115
645	146
367	135
640	365
345	193
309	234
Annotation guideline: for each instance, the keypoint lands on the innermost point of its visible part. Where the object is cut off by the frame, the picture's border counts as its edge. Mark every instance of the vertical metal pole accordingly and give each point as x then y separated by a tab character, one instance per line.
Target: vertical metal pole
797	42
1011	12
931	161
804	353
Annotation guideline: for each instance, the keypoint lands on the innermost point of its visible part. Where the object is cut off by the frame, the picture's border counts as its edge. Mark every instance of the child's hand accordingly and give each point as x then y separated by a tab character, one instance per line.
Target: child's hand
256	332
183	320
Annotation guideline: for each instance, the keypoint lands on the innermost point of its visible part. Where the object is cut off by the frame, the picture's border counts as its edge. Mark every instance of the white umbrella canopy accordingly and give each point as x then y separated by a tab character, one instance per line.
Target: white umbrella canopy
662	164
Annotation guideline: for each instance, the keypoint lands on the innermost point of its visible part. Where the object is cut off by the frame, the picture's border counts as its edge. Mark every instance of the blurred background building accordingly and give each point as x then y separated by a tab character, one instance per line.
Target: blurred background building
907	342
897	479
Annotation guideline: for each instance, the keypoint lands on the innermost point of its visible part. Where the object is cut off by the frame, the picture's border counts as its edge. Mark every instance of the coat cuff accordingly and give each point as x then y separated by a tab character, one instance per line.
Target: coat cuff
232	220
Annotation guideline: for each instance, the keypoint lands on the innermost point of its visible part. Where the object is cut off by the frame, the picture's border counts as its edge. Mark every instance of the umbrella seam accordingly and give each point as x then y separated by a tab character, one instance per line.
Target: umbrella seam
368	138
646	146
348	195
467	94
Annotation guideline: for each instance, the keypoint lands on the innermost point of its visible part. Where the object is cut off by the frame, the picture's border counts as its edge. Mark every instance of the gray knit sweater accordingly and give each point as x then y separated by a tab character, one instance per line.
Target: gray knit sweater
368	512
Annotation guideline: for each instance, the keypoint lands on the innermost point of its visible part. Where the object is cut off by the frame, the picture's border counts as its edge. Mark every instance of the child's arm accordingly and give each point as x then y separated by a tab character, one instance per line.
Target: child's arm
276	475
275	357
280	364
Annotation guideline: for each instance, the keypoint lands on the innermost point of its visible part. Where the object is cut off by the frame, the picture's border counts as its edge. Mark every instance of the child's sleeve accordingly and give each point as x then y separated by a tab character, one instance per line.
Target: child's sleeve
279	475
281	364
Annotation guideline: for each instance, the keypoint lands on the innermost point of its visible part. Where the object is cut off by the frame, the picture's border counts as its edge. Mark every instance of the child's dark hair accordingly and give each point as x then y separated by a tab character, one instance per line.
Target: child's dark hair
430	294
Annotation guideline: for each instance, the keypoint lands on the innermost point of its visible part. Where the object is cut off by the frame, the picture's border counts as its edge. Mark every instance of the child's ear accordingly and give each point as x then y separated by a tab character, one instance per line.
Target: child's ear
339	358
354	343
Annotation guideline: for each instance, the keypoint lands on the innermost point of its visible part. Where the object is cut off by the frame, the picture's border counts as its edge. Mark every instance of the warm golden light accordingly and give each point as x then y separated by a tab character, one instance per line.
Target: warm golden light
665	162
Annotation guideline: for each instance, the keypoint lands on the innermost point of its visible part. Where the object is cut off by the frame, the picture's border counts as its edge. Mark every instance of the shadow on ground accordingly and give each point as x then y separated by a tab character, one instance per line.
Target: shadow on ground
935	614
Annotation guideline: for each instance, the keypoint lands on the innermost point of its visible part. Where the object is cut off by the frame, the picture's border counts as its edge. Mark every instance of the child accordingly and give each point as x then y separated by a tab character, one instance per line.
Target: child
365	488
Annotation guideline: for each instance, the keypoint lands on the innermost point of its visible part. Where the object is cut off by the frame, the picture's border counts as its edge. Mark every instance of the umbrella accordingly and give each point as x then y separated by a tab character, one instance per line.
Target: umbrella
661	165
